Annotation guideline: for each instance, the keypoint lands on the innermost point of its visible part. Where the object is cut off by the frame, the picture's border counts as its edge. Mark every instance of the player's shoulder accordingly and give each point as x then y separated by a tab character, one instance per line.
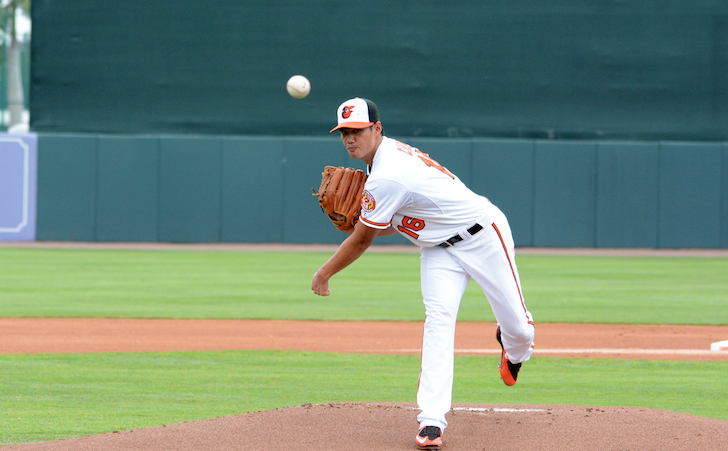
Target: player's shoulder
392	154
387	166
394	144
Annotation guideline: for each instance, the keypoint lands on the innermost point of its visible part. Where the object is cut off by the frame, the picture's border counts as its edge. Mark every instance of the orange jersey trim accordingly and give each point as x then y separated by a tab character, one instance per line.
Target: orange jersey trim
376	225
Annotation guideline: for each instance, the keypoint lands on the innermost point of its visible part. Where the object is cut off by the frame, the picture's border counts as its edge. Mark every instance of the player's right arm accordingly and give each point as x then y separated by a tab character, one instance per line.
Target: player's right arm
389	231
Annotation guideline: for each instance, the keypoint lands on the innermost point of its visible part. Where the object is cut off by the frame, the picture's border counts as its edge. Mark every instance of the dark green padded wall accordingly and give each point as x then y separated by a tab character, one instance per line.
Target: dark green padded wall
627	194
259	189
503	172
590	123
67	181
563	200
690	195
252	190
190	180
128	189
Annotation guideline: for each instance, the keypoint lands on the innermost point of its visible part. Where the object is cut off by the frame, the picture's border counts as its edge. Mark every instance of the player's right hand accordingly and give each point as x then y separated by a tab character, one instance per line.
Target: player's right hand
319	285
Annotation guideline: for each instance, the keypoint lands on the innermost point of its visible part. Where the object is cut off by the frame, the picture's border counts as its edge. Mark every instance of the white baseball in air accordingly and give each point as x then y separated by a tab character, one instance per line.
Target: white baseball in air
298	86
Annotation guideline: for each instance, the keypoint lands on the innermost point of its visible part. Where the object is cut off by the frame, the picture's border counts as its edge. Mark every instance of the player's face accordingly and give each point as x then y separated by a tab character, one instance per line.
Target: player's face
361	143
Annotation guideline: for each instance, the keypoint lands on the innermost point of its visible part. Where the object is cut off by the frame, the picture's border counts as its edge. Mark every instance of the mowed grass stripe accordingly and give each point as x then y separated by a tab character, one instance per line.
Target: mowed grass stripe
380	286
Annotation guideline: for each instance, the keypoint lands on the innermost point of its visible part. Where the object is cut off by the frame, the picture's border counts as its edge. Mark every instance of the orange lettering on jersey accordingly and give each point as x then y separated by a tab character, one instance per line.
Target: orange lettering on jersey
406	148
432	163
412	151
410	226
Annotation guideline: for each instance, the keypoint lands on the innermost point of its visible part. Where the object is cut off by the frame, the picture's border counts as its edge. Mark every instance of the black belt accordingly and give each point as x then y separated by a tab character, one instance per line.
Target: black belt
457	238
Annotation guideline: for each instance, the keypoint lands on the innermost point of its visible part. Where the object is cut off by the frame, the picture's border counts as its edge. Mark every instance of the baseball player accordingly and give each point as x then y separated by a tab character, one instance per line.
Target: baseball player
461	235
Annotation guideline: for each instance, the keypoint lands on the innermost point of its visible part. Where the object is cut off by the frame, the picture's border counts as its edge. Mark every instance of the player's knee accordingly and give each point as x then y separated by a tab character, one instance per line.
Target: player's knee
521	334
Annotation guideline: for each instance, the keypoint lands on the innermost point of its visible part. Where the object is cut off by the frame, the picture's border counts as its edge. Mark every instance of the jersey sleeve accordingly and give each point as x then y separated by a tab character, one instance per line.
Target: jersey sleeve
380	201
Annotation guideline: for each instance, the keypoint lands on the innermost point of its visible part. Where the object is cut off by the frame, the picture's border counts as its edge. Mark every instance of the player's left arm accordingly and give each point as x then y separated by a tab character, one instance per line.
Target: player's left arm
352	248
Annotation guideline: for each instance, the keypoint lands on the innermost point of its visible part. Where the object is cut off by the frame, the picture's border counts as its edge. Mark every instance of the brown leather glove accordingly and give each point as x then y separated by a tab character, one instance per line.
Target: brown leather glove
340	195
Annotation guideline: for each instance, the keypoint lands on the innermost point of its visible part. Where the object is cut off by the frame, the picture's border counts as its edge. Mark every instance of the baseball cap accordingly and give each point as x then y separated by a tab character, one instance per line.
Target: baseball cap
356	113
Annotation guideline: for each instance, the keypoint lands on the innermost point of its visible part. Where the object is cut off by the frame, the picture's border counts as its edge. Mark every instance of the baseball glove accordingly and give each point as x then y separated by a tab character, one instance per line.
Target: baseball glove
340	195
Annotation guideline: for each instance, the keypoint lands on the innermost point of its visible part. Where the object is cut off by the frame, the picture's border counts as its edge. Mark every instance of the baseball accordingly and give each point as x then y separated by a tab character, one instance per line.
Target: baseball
298	86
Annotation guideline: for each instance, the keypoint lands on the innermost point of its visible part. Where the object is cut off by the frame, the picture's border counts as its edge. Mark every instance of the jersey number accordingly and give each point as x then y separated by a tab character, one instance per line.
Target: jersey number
410	226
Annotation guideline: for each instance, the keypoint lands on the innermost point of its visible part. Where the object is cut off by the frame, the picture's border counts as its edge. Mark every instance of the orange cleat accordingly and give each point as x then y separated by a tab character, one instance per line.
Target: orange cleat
508	370
429	437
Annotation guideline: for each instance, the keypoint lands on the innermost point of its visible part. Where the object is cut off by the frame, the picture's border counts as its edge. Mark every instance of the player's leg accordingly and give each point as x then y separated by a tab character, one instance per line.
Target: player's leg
489	258
443	285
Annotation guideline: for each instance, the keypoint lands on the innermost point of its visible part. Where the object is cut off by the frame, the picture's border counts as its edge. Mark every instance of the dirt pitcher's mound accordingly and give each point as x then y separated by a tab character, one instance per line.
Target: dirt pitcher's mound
384	427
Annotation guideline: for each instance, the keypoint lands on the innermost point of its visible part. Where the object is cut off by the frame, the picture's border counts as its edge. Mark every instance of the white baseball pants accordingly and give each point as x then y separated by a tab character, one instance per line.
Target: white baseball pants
488	258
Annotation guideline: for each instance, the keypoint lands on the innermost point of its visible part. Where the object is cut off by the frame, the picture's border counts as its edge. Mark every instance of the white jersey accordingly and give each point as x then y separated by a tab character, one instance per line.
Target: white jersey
410	191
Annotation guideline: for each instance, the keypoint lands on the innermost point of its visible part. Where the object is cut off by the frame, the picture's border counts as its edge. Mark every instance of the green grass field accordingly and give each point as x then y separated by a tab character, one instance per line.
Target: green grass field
46	397
276	285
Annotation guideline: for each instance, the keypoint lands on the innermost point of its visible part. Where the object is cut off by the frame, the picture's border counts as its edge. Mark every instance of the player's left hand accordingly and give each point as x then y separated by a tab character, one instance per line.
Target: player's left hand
340	196
319	285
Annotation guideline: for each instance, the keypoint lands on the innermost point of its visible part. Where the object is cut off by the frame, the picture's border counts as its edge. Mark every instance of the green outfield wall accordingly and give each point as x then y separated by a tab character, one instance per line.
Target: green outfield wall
258	189
579	69
591	123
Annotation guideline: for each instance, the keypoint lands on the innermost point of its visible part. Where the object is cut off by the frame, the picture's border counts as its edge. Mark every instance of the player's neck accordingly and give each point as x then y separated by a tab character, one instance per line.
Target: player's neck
369	158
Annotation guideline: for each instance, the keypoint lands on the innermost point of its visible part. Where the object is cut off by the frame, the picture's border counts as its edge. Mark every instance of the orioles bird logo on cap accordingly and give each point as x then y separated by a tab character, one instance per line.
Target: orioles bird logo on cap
346	112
